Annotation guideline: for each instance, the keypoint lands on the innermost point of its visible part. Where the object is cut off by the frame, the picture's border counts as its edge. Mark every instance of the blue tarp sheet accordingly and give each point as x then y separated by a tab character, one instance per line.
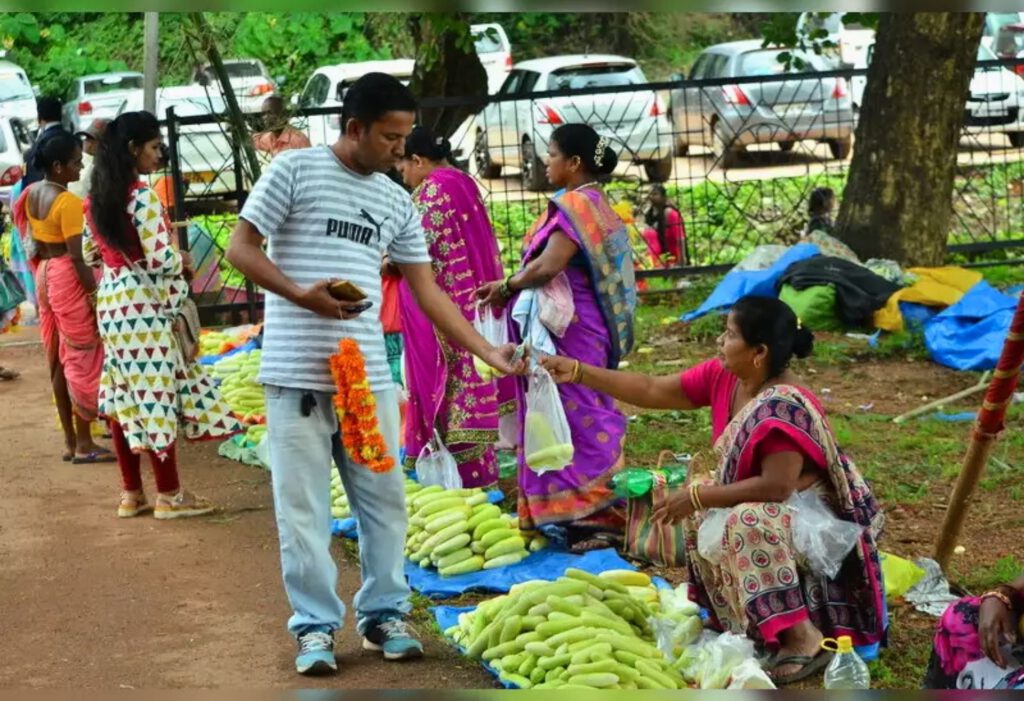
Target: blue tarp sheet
759	283
346	527
969	335
546	564
211	359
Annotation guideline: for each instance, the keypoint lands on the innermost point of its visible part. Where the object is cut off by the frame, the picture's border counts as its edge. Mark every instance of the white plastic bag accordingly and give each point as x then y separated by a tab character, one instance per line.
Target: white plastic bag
822	538
547	440
721	657
436	466
710	535
495	331
748	674
678	622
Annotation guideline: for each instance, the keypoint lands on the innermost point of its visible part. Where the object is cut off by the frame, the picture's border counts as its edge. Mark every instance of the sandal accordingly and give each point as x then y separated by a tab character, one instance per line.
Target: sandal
808	666
598	541
181	505
96	456
132	504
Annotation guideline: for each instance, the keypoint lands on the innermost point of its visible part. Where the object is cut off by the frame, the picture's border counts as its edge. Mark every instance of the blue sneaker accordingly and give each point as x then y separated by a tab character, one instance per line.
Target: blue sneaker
394	637
316	654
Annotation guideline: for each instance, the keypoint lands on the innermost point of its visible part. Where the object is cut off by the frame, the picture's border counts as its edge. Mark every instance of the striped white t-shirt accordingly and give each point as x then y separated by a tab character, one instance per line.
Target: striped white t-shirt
321	220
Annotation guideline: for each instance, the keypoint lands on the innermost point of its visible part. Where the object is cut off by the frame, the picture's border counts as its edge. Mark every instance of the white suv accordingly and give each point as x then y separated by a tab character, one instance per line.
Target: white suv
516	132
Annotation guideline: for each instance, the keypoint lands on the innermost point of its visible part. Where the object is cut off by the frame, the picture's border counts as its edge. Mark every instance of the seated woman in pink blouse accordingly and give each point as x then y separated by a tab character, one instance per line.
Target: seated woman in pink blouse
771	438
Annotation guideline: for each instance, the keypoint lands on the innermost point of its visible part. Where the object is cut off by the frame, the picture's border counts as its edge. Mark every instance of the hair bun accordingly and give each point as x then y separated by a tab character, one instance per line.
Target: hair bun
803	342
608	162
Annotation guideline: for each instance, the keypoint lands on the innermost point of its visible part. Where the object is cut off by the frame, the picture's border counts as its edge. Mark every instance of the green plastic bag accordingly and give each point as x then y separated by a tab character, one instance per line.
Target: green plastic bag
814	306
900	575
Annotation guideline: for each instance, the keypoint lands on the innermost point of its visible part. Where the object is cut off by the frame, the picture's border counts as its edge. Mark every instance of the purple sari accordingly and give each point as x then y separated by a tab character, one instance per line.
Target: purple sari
579	494
445	391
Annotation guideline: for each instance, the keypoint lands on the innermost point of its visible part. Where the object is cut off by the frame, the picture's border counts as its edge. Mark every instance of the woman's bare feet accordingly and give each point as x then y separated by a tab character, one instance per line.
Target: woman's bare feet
802	640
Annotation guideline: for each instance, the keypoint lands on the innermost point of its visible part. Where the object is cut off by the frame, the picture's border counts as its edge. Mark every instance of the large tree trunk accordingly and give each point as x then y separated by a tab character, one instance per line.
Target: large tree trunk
898	198
446	66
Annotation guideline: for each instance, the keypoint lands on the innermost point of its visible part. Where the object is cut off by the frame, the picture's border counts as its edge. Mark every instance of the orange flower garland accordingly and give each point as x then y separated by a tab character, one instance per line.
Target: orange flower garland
357	409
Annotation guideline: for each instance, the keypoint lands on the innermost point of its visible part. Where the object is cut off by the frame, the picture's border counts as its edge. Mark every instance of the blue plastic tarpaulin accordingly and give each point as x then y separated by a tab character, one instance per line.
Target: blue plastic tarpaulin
546	564
758	283
212	359
969	335
346	527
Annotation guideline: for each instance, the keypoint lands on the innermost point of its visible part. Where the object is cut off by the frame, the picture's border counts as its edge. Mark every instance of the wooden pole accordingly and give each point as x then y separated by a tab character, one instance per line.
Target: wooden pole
987	428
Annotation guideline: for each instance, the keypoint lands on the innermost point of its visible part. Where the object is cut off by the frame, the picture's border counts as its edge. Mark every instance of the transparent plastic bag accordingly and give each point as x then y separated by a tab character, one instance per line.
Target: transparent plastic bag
710	535
822	538
495	331
722	656
547	440
678	622
436	466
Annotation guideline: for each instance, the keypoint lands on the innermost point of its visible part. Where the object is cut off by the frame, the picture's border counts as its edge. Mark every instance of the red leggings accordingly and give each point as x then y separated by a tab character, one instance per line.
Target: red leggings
165	469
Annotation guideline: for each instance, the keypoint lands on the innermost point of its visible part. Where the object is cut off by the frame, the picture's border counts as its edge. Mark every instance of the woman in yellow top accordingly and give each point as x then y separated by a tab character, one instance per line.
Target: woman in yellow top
66	288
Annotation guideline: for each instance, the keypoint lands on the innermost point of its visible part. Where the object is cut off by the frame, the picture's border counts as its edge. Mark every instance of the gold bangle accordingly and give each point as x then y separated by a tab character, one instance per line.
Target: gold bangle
695	497
1000	596
577	373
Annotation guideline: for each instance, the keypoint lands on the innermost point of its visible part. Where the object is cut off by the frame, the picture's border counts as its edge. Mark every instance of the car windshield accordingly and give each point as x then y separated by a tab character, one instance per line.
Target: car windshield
113	84
344	85
831	22
985	54
244	69
596	76
766	62
13	86
487	41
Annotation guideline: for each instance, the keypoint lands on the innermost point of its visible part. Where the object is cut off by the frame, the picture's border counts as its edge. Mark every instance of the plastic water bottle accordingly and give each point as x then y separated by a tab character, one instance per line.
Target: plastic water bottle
846	670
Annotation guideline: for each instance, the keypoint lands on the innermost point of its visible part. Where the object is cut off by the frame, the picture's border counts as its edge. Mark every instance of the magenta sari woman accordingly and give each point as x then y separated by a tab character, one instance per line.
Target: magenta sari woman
580	236
446	393
771	439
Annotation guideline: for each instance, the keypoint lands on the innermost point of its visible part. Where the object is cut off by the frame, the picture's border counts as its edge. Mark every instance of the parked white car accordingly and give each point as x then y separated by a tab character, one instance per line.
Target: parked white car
15	141
516	132
102	96
249	80
995	102
851	40
495	52
17	96
204	150
994	21
328	85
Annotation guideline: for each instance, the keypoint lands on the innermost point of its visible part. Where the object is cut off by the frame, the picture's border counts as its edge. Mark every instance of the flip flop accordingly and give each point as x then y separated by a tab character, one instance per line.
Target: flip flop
67	457
598	541
96	456
810	665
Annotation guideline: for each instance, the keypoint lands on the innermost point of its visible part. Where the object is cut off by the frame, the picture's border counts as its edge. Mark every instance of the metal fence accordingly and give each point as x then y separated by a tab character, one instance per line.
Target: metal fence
738	157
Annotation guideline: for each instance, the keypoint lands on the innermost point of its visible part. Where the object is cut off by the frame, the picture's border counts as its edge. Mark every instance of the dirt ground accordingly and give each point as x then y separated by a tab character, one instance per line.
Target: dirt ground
91	601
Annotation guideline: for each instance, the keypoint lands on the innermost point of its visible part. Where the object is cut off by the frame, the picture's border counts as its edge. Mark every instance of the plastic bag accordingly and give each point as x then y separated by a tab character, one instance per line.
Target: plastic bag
899	575
547	440
678	622
710	535
720	658
495	331
822	538
436	466
748	674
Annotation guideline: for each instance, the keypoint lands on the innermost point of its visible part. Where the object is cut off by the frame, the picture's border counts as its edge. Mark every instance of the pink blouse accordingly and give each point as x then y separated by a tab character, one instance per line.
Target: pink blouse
710	384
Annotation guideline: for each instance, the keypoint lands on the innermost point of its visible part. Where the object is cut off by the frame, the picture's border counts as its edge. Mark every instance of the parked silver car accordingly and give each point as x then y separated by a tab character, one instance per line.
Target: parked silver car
995	102
15	141
779	109
102	96
516	132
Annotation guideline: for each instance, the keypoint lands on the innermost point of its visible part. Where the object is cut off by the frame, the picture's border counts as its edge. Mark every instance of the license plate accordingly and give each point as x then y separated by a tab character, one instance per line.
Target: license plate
203	177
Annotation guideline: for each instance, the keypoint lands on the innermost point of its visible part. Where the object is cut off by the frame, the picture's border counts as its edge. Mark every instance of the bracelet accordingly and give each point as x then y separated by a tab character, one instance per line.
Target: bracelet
577	373
1003	598
506	290
695	497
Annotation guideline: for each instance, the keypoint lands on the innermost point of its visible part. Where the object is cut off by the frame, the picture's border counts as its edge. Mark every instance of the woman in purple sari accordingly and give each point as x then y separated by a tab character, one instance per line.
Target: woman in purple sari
445	391
581	244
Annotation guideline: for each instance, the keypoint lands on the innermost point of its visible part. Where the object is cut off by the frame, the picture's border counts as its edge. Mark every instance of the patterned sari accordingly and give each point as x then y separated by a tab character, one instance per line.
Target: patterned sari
445	391
601	332
762	585
957	660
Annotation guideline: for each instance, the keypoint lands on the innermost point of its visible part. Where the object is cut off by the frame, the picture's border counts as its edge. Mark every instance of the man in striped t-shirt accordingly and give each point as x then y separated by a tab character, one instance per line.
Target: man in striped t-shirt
330	213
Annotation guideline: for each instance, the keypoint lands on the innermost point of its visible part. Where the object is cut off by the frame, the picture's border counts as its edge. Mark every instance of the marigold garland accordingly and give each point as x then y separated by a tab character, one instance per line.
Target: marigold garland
357	409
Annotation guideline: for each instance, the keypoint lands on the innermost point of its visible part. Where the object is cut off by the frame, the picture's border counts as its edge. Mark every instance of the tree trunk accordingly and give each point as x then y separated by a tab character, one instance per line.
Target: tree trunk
446	66
898	198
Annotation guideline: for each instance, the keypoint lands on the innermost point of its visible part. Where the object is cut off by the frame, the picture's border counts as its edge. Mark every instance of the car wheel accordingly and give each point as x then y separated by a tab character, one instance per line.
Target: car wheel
534	178
1016	138
660	170
786	146
484	166
841	148
728	156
